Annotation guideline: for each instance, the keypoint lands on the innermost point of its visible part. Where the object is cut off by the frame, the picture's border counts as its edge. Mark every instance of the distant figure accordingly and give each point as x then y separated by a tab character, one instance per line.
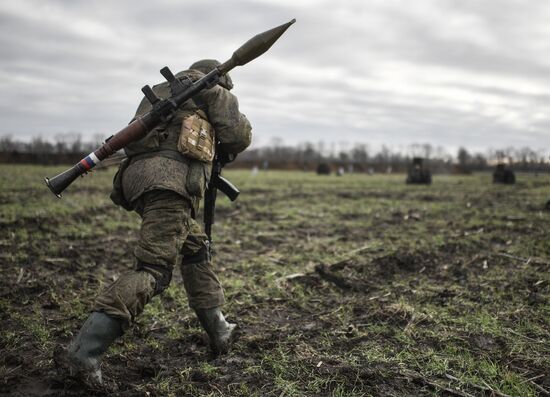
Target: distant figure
389	170
370	171
418	174
504	175
323	169
255	170
340	171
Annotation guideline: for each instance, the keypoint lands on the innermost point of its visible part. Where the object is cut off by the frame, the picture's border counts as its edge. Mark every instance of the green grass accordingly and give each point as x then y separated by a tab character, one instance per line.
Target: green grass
455	286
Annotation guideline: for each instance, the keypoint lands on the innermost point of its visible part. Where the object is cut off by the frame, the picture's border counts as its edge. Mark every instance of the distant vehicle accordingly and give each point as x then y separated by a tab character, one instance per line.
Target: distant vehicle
323	169
503	175
418	174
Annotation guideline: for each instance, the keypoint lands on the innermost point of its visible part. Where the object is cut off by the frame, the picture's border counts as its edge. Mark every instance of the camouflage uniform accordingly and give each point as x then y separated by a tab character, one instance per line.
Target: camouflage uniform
165	187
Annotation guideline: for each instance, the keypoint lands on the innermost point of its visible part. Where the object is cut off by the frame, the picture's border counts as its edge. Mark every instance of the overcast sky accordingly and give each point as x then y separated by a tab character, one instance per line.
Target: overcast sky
446	72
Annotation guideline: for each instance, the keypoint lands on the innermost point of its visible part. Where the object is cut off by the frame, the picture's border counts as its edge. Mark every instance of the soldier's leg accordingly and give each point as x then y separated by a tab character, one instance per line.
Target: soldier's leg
204	291
203	287
164	228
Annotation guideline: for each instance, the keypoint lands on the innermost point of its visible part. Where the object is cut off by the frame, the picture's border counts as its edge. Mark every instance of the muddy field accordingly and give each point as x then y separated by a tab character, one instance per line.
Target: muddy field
341	286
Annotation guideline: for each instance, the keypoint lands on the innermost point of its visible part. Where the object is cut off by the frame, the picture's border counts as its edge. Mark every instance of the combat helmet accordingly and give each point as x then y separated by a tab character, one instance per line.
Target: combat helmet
206	65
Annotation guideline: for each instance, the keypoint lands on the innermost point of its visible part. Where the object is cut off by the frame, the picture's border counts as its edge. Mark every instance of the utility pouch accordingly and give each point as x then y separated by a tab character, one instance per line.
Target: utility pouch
196	179
117	195
196	139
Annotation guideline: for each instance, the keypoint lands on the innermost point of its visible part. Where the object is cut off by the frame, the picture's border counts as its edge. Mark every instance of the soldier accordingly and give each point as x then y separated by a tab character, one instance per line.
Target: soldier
418	174
503	175
163	180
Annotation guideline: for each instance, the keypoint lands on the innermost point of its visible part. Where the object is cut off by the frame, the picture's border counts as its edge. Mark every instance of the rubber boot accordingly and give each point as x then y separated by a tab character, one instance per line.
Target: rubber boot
218	329
80	359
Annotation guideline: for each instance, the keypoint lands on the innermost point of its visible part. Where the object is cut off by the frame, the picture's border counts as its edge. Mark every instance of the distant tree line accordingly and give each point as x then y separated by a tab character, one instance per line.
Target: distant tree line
70	148
359	158
65	149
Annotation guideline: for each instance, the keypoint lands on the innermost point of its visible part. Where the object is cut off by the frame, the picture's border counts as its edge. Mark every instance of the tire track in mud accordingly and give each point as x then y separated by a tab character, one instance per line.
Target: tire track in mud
455	277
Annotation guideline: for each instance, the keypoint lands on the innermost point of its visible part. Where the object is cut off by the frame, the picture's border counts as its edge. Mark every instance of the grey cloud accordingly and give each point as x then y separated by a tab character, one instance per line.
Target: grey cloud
440	71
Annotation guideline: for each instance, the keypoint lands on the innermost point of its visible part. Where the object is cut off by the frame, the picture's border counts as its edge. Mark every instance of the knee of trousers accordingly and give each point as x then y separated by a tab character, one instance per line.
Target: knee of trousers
201	256
126	298
161	274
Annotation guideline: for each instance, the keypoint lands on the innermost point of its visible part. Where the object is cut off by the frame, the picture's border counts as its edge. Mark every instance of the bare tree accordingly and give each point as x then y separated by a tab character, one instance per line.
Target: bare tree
7	144
463	158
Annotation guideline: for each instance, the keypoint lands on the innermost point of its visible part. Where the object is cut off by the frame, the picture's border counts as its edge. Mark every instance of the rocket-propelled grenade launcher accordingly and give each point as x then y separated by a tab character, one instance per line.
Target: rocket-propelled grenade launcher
163	109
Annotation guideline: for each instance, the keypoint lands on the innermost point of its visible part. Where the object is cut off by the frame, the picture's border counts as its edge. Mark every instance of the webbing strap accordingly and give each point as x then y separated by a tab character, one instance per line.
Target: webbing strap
168	153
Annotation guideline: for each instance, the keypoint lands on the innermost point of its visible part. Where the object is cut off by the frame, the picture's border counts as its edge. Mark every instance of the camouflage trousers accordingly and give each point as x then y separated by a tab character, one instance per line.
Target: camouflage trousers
169	236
